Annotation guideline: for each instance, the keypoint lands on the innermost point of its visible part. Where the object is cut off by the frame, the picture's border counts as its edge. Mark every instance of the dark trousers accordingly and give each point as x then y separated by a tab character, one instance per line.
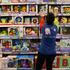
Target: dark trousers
49	61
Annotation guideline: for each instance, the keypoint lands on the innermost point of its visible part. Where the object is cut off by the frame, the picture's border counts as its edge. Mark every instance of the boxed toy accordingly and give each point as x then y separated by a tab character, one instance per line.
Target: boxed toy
6	9
24	9
65	30
42	8
65	10
16	45
32	9
12	62
6	20
34	20
13	31
65	45
62	62
25	46
26	20
30	46
6	45
25	62
16	9
32	31
3	31
64	20
18	20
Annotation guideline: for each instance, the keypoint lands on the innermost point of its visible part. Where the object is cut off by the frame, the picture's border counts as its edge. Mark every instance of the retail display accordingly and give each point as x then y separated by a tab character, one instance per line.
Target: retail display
20	33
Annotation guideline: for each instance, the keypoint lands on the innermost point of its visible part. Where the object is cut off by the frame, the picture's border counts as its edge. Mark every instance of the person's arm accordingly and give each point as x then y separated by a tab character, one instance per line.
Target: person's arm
42	19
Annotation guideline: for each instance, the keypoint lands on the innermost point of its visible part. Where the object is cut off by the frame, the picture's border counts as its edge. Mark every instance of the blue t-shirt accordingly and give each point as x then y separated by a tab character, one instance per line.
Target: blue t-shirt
48	41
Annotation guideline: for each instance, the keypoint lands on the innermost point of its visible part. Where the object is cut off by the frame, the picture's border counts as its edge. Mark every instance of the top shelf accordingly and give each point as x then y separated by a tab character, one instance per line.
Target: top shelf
34	3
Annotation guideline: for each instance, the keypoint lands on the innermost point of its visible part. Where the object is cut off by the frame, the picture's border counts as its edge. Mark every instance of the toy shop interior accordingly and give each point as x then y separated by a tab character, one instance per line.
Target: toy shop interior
20	34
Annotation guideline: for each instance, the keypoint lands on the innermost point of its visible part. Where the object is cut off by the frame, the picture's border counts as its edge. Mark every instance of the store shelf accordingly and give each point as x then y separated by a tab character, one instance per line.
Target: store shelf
18	25
15	53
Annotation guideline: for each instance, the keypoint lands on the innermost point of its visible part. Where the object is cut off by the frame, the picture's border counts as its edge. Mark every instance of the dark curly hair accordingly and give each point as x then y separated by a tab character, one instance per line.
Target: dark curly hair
50	18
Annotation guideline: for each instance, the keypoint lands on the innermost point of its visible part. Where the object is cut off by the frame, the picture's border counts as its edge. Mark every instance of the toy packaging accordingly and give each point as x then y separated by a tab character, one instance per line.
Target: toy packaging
3	31
34	20
30	46
66	9
64	20
16	45
62	62
32	31
32	9
6	20
65	30
25	46
12	62
65	45
25	62
23	9
13	31
18	20
6	9
16	9
6	45
26	20
42	8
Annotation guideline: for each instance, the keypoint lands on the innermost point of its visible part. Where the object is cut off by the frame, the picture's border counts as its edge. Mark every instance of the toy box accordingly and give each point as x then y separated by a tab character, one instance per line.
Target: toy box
25	62
26	20
34	20
25	46
62	62
6	9
65	30
42	8
32	9
16	9
24	9
30	46
65	45
16	45
6	20
65	10
13	31
18	20
6	45
64	20
3	31
32	31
